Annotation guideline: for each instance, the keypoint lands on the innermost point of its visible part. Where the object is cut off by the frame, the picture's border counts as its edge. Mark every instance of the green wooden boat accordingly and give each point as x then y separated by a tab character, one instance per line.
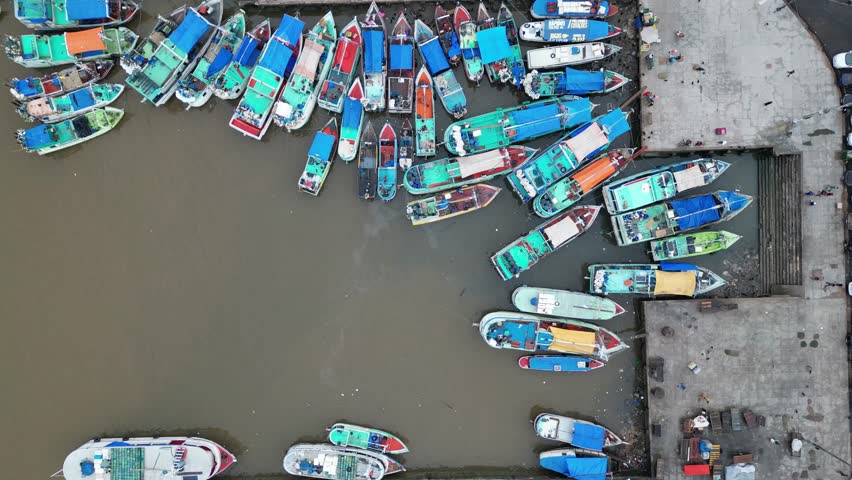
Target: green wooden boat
58	109
230	84
296	104
71	14
517	124
347	435
466	29
565	304
450	204
661	183
448	173
424	115
320	158
50	138
652	279
197	88
692	245
36	51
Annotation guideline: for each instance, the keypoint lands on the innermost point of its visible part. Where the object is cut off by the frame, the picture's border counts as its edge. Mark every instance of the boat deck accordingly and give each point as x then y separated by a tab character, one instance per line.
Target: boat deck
262	88
648	223
644	191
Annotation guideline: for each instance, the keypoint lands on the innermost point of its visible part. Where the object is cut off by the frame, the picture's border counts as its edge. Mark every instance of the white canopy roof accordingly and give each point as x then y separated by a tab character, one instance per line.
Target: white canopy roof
481	162
308	60
689	178
587	141
561	231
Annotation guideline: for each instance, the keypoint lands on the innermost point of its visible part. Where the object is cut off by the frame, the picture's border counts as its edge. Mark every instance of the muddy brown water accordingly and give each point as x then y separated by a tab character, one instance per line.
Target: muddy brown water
169	277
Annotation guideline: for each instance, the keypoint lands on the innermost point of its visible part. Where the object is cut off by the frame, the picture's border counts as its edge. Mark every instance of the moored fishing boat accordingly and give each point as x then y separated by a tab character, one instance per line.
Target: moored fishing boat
493	57
515	61
254	112
559	363
60	83
38	50
343	68
320	157
330	462
145	49
406	145
147	457
49	138
516	124
375	66
572	9
447	35
368	161
466	30
565	304
388	151
569	190
424	115
450	204
401	69
231	83
572	82
677	216
70	14
568	153
351	123
661	183
57	109
296	104
529	333
568	31
579	433
194	90
574	54
520	255
691	245
448	173
444	80
651	279
176	56
367	438
576	464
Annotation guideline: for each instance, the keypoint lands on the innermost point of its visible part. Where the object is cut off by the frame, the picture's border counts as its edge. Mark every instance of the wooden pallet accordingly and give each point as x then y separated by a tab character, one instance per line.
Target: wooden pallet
736	420
715	453
750	421
715	422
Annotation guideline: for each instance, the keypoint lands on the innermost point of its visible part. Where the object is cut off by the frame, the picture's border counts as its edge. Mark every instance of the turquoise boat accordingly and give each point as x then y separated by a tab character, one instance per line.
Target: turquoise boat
344	67
433	57
493	57
517	124
232	82
72	14
300	95
37	51
572	82
448	173
661	183
450	204
61	82
197	88
388	160
367	438
375	59
516	59
176	56
145	49
253	115
565	304
466	29
320	158
651	279
424	114
352	122
569	190
58	109
677	216
50	138
520	255
569	152
692	245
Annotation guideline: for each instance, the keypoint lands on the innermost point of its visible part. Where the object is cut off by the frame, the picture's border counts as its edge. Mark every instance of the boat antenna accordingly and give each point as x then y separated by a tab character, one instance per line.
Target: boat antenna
58	474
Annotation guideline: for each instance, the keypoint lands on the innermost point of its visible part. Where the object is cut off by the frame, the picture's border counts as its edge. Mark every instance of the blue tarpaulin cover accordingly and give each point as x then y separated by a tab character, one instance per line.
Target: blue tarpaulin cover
352	112
374	51
579	82
535	121
576	30
37	137
82	99
222	60
87	9
494	44
25	87
588	436
190	30
614	123
677	267
696	211
455	49
585	468
322	146
278	55
248	51
402	57
565	363
434	57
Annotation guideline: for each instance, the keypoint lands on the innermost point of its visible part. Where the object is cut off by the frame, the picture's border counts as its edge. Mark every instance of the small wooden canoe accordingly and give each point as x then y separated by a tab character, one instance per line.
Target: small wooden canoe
559	363
450	204
348	435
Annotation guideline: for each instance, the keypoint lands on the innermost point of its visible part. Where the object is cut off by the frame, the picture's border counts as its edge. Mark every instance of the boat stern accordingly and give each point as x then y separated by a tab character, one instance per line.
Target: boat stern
532	32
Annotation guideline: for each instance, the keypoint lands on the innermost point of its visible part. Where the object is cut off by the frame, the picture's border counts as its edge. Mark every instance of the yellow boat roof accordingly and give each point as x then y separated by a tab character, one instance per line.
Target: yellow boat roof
675	283
573	341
